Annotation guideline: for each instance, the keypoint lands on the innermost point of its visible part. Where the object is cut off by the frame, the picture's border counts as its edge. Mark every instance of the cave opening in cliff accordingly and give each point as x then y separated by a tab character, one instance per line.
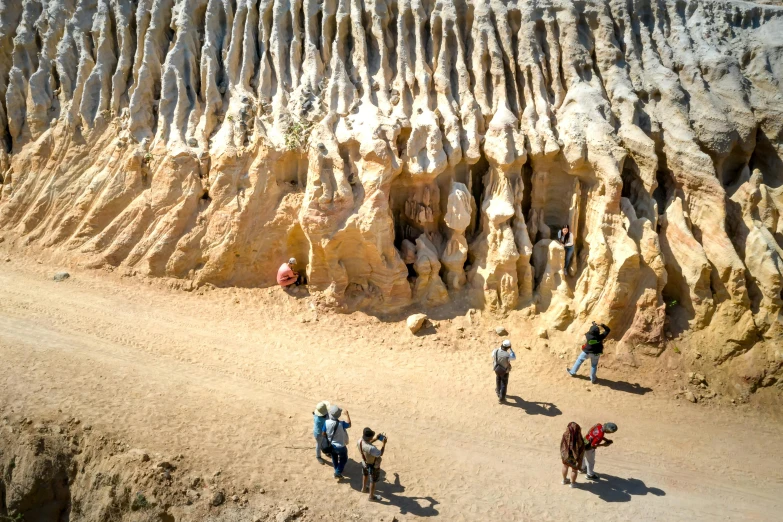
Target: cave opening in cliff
665	190
527	188
634	190
290	171
767	160
555	202
477	173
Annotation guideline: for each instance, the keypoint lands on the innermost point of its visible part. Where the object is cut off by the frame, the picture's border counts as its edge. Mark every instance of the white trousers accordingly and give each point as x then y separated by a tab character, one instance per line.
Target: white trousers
588	463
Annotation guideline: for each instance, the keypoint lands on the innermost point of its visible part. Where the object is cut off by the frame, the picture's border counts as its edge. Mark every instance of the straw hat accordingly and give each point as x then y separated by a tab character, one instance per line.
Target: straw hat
322	408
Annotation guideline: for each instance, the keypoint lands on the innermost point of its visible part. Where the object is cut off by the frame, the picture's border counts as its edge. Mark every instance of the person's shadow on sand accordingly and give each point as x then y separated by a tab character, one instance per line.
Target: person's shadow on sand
627	387
616	489
416	506
533	408
390	493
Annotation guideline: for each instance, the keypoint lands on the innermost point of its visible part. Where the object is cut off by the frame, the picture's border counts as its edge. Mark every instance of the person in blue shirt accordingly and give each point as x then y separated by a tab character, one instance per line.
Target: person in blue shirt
501	364
319	421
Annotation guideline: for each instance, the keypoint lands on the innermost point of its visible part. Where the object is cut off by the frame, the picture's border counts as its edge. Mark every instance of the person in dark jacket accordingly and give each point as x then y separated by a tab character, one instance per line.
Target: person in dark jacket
593	348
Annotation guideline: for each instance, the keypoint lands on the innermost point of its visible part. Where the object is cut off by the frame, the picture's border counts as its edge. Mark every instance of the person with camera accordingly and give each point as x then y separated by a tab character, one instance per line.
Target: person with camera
593	348
371	460
595	438
335	432
501	365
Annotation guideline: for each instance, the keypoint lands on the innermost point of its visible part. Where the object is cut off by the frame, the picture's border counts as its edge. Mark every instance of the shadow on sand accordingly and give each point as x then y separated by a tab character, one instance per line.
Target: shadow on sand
615	489
391	493
627	387
533	408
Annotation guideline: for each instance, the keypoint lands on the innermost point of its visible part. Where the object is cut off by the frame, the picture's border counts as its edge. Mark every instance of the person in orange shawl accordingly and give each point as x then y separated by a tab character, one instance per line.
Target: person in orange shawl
572	451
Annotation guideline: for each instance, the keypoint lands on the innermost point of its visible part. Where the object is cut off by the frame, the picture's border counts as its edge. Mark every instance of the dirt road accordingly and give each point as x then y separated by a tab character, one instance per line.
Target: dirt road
229	378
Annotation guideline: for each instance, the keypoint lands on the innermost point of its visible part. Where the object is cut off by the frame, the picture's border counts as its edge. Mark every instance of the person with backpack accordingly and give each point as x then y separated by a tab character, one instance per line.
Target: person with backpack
593	348
501	365
334	430
595	438
319	421
572	452
371	460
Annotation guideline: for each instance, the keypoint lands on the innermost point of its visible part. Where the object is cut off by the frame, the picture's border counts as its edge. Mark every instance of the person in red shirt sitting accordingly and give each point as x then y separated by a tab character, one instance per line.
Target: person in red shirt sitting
286	275
593	439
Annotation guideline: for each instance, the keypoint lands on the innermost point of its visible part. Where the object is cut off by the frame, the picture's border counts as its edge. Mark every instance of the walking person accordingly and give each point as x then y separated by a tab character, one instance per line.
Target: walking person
501	360
565	237
319	422
371	461
595	438
593	348
572	452
334	429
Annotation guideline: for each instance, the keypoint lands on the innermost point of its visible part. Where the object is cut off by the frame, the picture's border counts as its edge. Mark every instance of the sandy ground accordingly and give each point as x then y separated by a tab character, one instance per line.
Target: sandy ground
230	377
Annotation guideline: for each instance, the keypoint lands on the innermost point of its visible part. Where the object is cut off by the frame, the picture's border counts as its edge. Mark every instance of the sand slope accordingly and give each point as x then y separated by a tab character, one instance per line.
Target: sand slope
218	378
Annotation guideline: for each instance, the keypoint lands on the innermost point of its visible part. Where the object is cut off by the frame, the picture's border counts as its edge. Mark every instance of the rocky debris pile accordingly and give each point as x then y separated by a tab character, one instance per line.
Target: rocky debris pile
63	470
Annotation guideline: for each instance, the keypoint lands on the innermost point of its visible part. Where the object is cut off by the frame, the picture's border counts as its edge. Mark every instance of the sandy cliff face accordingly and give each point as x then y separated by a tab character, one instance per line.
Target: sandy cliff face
415	151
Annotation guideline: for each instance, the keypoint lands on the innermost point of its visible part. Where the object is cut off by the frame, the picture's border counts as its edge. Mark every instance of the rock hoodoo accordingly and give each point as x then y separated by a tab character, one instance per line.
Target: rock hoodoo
412	151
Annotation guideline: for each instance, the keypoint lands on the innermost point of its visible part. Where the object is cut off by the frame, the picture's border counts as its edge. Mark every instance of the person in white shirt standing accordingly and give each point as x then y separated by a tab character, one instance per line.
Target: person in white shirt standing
567	239
371	460
501	364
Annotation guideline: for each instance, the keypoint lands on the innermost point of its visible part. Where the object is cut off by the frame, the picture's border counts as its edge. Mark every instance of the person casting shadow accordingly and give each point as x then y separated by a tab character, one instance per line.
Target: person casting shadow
616	489
390	492
547	409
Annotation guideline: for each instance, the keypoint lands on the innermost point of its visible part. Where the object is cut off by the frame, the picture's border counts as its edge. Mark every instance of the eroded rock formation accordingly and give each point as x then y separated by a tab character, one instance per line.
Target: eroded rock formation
211	139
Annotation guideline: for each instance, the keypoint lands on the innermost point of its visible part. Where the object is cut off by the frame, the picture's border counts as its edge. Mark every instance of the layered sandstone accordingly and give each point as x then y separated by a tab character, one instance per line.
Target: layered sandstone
415	151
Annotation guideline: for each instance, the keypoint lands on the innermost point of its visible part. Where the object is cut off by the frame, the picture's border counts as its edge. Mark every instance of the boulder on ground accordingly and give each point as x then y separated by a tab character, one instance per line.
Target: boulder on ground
415	322
61	276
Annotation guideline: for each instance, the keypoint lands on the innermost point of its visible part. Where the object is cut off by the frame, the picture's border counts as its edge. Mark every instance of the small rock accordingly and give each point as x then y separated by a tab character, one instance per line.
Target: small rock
218	499
234	498
542	333
501	331
193	142
166	465
7	259
460	328
697	379
262	491
697	355
145	458
690	396
61	276
415	322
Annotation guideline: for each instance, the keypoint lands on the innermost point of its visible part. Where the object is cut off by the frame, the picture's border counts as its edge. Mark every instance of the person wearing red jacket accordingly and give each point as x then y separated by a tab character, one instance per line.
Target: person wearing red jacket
595	437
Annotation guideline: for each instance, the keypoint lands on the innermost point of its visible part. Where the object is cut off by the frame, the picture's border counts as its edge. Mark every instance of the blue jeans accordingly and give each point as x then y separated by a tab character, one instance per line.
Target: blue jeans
582	358
569	251
339	459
